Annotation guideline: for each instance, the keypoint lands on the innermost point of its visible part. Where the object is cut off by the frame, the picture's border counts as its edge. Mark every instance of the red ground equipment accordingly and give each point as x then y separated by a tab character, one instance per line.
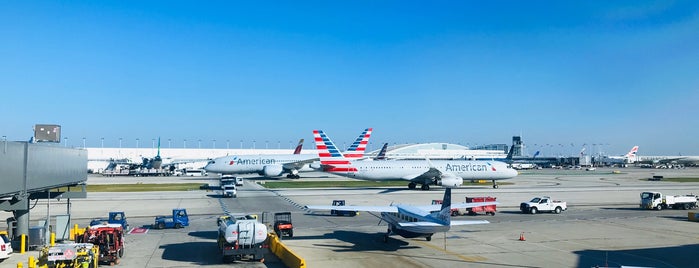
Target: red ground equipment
489	209
110	240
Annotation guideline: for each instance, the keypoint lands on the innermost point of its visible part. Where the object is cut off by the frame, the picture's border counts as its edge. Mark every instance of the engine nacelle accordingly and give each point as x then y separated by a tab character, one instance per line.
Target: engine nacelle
272	170
451	182
315	165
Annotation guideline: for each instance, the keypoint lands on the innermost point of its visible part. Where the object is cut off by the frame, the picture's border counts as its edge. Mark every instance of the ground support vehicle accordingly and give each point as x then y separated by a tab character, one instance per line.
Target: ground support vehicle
179	219
341	212
489	209
241	236
229	191
5	246
75	255
109	238
115	217
543	204
658	201
283	225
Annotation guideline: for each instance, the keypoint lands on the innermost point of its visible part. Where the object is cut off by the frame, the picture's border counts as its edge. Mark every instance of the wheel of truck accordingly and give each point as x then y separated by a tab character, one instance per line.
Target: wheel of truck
454	213
279	233
492	213
161	225
659	207
557	210
291	233
178	225
533	210
685	206
121	252
428	238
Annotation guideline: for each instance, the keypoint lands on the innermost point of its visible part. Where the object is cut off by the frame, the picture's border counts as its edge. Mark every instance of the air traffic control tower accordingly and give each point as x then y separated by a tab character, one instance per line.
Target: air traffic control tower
36	170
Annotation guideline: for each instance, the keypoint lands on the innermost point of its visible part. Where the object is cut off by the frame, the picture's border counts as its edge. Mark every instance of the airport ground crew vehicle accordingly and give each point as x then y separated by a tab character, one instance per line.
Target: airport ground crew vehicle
658	201
115	217
109	238
73	255
454	211
341	212
489	209
5	246
179	219
283	225
241	236
543	204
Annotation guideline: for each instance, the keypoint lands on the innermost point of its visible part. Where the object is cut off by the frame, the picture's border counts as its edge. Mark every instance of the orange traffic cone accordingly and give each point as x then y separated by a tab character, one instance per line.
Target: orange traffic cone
521	237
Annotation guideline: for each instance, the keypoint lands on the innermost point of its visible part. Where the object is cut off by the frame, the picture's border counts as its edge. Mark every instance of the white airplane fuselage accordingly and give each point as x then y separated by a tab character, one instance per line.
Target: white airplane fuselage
406	169
255	163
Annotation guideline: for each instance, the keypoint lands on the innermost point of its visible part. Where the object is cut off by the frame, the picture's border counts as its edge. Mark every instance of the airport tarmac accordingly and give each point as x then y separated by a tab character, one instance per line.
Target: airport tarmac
603	225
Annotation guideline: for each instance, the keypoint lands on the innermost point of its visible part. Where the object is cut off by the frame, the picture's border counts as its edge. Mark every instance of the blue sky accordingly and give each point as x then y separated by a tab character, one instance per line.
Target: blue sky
618	73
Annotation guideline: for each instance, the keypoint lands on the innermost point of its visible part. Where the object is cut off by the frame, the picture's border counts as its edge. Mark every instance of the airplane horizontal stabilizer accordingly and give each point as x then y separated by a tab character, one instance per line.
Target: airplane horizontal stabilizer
453	223
419	224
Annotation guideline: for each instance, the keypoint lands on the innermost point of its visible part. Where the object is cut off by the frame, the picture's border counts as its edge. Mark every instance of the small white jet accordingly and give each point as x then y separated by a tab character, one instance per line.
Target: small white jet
451	173
273	165
415	221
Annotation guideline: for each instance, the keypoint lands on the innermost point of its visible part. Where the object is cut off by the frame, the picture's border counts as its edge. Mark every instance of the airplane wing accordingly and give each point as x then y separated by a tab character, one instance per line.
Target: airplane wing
457	205
425	176
453	223
299	164
356	208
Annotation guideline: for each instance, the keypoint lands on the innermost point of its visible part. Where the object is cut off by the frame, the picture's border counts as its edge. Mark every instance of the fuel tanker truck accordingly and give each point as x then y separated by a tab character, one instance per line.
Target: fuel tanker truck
241	236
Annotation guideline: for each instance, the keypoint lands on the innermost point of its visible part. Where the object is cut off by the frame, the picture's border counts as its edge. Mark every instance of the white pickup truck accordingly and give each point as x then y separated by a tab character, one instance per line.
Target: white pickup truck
543	204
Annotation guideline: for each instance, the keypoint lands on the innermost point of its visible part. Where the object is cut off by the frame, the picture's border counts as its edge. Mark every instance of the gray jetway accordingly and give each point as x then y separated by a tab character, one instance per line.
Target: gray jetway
37	171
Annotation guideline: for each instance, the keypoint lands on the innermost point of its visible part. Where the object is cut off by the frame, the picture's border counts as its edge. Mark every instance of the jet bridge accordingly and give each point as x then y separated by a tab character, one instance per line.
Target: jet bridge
37	171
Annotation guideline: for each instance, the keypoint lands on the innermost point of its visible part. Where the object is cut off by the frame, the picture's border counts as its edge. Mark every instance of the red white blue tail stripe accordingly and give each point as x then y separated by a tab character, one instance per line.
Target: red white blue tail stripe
331	158
357	149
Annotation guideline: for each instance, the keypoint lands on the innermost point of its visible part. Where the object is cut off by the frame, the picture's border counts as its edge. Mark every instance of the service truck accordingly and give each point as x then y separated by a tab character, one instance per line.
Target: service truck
241	236
543	204
73	255
115	217
178	220
109	238
658	201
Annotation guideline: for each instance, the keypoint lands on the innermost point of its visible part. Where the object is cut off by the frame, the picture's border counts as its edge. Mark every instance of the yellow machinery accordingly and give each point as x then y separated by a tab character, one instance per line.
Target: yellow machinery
74	255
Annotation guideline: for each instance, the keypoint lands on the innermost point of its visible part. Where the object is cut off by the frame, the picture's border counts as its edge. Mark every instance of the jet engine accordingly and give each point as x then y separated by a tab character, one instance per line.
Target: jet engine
272	170
451	182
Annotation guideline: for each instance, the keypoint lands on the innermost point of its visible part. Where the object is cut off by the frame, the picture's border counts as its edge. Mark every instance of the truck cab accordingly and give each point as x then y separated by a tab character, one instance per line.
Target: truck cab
179	219
5	246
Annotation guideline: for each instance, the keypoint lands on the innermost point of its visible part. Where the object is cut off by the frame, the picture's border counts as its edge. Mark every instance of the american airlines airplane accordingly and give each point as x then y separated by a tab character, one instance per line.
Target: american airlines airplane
415	221
450	173
276	164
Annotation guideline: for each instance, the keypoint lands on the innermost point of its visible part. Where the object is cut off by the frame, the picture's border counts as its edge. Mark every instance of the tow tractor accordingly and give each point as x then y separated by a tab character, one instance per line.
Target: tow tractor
179	219
115	217
75	255
109	238
341	212
282	224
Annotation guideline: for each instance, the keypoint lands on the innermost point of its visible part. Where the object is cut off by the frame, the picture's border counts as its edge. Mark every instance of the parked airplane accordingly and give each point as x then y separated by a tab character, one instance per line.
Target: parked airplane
449	173
382	153
277	164
628	158
415	221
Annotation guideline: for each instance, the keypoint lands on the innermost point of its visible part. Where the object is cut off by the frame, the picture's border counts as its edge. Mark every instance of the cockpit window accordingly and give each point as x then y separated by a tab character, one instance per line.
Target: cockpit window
212	162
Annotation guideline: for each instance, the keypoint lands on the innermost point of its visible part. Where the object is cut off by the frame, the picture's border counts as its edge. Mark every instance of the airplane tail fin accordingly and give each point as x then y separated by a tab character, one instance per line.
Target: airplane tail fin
382	153
357	149
444	216
508	159
536	154
631	155
331	159
299	147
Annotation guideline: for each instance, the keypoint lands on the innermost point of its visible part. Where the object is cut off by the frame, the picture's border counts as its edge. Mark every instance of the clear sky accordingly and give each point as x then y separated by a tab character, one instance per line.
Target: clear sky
618	73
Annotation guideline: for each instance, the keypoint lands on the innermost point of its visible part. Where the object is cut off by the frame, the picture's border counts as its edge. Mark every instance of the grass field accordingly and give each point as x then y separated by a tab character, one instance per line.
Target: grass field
143	187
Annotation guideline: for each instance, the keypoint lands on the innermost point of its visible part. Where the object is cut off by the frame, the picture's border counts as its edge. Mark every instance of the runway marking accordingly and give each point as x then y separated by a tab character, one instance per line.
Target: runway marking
465	258
138	230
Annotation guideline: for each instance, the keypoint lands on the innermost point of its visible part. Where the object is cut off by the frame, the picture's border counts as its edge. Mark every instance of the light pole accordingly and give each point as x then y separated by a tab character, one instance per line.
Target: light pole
102	139
168	143
199	143
120	143
266	144
66	142
137	140
214	143
253	144
84	143
279	144
184	144
228	142
241	144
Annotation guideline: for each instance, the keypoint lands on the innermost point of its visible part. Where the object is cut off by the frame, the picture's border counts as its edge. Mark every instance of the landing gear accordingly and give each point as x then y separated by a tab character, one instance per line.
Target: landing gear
495	185
385	237
293	176
428	238
411	186
425	187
